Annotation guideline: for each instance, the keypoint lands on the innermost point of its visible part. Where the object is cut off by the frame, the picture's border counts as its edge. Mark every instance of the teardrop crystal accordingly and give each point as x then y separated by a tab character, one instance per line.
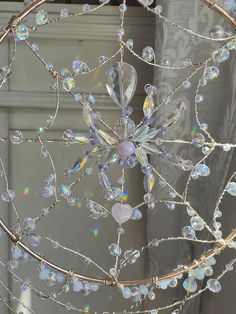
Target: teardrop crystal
121	83
148	106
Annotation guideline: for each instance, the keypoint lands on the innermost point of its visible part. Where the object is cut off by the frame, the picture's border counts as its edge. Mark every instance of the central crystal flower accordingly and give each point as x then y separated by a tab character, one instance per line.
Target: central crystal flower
125	148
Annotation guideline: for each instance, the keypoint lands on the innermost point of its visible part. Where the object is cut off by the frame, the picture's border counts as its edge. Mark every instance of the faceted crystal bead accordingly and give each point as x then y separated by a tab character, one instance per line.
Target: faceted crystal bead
231	188
130	44
86	7
141	156
148	54
148	106
64	12
104	181
187	165
198	140
16	137
202	170
190	285
8	196
214	285
148	182
136	214
77	286
68	84
217	32
198	273
64	190
126	293
35	47
231	45
188	232
221	55
22	32
123	7
199	98
41	17
197	223
211	73
114	249
78	66
158	9
121	83
29	224
146	2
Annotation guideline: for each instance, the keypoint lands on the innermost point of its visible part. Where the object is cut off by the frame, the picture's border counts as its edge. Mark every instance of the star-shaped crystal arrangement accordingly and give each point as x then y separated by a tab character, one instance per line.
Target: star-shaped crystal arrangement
125	145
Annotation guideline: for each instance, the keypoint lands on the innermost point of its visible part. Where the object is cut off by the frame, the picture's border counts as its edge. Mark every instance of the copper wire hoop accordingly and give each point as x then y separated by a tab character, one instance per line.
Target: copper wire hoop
218	248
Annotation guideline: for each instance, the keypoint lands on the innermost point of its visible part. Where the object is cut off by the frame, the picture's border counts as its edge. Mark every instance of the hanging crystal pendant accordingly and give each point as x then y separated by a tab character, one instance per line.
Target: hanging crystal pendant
121	83
148	106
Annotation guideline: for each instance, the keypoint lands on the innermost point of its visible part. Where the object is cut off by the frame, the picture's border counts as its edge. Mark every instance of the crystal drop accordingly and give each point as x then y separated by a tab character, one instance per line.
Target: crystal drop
221	55
136	214
64	12
190	285
148	106
197	223
22	32
68	83
217	32
231	188
213	285
148	182
88	115
121	83
41	17
104	181
79	164
148	54
114	249
8	196
123	7
190	211
130	44
77	286
121	212
141	156
208	270
188	232
172	119
108	138
81	138
16	137
198	273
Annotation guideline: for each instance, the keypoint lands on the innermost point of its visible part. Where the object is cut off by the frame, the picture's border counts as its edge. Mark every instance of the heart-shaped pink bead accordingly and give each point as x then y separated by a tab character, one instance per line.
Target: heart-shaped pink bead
121	212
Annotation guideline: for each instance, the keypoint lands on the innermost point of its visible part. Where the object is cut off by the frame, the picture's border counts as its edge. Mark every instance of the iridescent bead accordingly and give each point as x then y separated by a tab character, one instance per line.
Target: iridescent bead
191	211
188	232
202	170
123	7
64	12
190	285
217	32
48	191
143	290
41	17
16	252
229	267
130	44
8	196
206	150
148	54
208	270
186	84
22	32
136	295
221	55
64	190
187	165
213	285
35	47
34	240
120	32
231	188
198	273
211	73
44	274
136	214
197	223
102	59
77	286
114	249
158	9
16	136
126	293
29	224
68	84
86	7
231	45
60	277
227	147
199	98
163	284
